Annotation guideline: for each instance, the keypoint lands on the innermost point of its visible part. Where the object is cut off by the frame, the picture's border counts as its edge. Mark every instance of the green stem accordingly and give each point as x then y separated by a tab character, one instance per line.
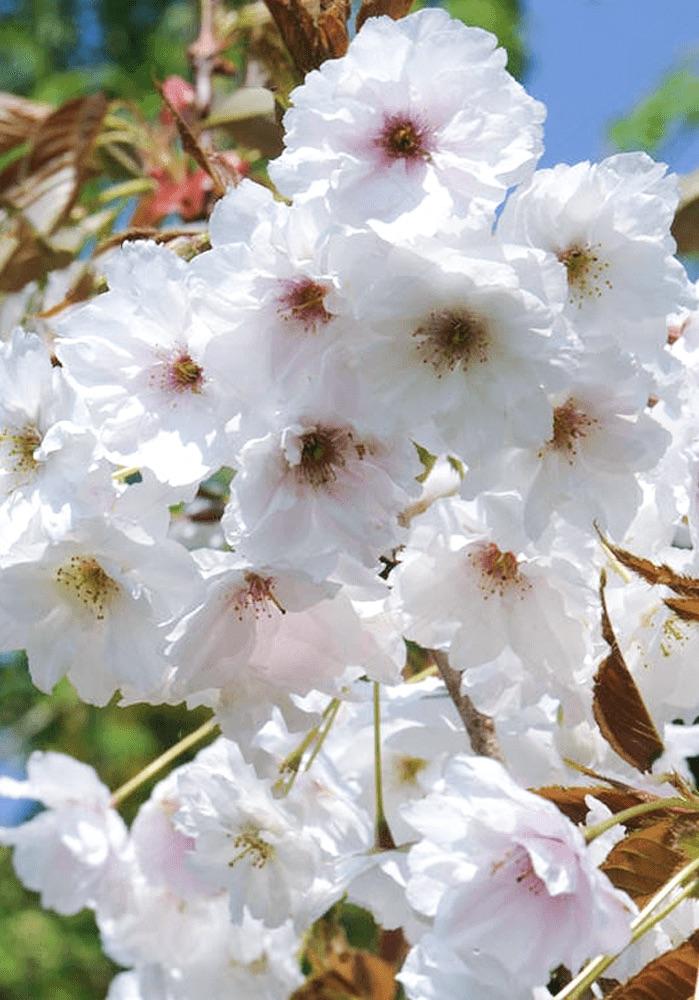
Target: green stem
332	710
315	738
645	920
638	810
689	890
383	838
127	189
150	770
125	473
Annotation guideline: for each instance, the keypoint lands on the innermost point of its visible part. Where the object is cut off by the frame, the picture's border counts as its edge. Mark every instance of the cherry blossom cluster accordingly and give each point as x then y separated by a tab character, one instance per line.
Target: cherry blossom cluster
420	404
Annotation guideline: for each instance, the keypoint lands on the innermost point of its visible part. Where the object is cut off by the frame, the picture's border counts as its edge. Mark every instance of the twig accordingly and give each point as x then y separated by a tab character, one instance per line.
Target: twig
203	54
157	765
480	728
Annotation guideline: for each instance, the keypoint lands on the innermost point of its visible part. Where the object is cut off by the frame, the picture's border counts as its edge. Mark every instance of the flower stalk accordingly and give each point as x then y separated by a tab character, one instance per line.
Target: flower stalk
645	920
161	762
383	838
641	809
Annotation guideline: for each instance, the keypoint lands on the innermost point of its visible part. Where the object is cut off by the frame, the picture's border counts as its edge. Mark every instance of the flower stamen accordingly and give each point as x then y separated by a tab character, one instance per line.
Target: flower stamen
22	443
585	271
86	581
499	570
250	844
570	425
322	454
303	302
452	338
256	596
178	373
403	137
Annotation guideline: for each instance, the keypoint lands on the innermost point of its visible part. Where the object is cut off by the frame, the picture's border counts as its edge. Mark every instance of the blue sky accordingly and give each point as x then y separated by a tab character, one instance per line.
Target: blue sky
592	60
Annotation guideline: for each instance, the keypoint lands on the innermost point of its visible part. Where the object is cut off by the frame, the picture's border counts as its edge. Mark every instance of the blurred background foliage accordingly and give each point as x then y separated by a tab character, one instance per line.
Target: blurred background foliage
44	956
55	50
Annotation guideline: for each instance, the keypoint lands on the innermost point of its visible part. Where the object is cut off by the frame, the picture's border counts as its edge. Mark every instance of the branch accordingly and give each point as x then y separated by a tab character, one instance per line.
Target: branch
203	55
480	728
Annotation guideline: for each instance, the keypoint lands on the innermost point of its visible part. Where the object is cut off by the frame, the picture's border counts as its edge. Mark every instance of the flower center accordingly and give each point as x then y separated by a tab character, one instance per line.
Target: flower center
450	339
322	454
518	864
87	582
404	138
178	373
585	271
250	845
303	302
570	425
407	769
20	447
256	596
185	374
499	570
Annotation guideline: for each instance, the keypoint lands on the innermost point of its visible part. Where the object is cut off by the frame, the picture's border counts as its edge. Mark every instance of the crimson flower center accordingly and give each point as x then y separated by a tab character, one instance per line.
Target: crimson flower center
303	301
323	452
404	138
452	338
570	425
185	374
256	595
499	571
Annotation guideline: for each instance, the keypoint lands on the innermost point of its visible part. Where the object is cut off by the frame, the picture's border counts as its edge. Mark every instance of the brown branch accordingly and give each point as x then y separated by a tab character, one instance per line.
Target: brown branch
203	55
480	728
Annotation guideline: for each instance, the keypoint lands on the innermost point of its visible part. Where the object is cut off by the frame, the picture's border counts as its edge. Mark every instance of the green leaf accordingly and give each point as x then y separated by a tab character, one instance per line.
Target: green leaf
675	104
503	18
427	459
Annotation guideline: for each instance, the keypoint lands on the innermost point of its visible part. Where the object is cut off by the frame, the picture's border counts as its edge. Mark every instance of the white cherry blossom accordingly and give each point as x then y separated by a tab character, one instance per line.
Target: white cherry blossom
72	850
139	356
95	606
508	881
469	583
456	350
418	121
49	465
608	226
322	483
250	844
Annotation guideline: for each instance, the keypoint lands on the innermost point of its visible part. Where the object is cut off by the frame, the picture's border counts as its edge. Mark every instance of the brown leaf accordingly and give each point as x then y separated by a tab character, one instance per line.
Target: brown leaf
571	801
685	227
352	975
686	608
373	8
298	30
332	27
19	119
618	707
309	40
644	860
671	976
44	184
653	573
25	255
193	147
81	290
393	946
